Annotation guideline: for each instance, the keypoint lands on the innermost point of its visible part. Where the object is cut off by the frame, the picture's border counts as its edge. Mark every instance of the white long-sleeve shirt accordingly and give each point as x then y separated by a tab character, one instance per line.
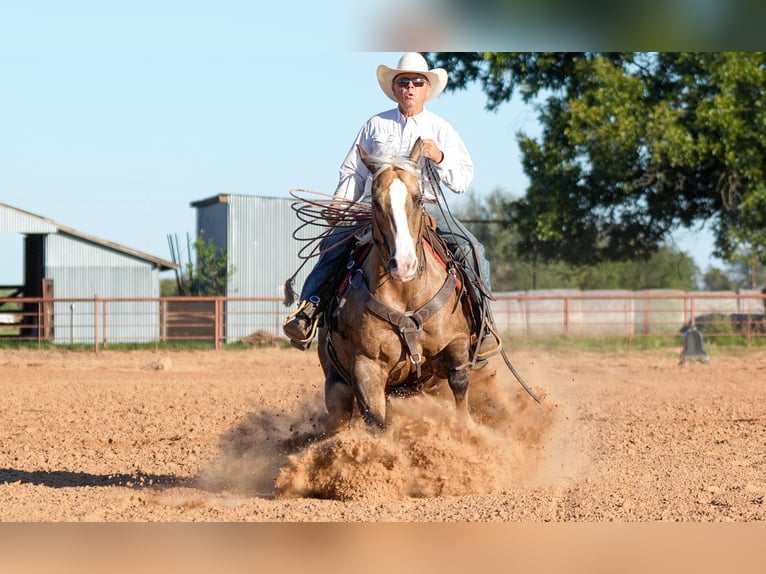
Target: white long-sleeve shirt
390	134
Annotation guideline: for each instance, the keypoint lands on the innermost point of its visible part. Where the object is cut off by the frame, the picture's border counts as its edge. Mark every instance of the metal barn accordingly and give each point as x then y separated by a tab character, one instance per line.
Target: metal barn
66	264
257	235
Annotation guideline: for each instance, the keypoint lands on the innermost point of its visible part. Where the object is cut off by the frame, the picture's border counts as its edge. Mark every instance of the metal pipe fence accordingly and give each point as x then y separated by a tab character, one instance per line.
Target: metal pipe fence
101	321
630	314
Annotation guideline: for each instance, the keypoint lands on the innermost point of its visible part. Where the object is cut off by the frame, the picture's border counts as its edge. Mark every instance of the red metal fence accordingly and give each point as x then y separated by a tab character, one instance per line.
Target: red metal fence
629	313
219	320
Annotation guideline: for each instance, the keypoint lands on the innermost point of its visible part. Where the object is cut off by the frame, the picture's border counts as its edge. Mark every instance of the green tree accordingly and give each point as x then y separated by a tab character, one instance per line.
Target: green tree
746	235
716	279
666	269
633	146
210	274
493	224
168	287
487	220
736	275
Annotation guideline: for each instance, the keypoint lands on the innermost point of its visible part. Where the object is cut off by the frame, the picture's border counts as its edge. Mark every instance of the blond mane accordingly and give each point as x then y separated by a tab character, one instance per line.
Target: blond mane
382	163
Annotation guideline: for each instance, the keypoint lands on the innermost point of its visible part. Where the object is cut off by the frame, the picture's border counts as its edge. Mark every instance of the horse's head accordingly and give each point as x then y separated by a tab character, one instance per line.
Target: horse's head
397	211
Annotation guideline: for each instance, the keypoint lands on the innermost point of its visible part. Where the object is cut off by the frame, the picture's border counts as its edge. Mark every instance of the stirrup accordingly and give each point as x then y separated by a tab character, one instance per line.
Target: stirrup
489	332
302	344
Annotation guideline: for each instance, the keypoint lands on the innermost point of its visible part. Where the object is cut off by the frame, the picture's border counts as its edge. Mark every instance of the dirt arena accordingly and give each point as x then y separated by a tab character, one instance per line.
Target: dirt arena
231	435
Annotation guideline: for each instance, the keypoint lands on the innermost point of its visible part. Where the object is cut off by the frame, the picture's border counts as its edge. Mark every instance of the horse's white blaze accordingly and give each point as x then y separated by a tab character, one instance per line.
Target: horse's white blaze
404	247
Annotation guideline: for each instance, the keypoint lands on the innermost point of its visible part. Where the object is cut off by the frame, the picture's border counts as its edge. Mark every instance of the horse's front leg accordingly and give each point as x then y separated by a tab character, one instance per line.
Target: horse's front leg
459	378
370	388
459	375
339	400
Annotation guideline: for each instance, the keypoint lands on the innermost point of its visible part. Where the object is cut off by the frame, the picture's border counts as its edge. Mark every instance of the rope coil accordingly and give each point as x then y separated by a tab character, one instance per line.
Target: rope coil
321	212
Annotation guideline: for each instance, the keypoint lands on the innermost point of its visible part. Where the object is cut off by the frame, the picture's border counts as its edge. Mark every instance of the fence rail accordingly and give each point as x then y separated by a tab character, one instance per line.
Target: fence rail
218	320
630	314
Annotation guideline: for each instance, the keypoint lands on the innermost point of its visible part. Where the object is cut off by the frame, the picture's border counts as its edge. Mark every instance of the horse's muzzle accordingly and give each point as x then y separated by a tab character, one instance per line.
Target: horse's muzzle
405	272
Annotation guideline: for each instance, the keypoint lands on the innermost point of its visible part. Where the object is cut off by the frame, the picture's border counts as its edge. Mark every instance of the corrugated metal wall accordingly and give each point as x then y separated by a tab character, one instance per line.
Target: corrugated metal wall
212	220
264	254
80	269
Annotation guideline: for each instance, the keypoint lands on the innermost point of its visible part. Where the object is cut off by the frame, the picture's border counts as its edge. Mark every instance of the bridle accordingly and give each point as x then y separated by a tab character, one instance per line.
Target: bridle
416	208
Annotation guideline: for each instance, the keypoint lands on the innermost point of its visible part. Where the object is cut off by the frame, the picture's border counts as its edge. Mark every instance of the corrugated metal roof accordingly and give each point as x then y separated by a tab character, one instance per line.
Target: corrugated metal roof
220	198
19	221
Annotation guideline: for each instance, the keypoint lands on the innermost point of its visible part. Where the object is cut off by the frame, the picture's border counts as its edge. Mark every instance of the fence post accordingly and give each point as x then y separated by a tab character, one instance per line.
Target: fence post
164	320
217	325
95	322
647	312
40	312
103	326
691	310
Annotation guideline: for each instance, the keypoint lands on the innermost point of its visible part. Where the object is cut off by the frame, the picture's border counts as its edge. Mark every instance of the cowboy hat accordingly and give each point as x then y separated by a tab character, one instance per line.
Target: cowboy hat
414	63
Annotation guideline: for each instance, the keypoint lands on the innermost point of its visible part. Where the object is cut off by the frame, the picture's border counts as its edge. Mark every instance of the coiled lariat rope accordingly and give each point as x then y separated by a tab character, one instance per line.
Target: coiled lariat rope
322	212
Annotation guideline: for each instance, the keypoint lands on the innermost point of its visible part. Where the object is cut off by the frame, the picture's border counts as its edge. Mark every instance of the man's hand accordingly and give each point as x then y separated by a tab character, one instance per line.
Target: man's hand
430	150
334	213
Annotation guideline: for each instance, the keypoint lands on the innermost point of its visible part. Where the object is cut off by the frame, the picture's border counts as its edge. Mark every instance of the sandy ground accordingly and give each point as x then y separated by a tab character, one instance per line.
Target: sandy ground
235	436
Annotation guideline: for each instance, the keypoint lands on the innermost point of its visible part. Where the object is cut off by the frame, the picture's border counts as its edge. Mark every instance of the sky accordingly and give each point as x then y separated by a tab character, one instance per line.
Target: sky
116	116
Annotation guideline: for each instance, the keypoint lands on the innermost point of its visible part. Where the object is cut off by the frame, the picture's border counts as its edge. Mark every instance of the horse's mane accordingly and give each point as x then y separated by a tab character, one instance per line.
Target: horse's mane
382	163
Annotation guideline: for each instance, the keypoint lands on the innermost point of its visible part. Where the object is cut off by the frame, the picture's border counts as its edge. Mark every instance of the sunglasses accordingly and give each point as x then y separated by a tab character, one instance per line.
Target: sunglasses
404	82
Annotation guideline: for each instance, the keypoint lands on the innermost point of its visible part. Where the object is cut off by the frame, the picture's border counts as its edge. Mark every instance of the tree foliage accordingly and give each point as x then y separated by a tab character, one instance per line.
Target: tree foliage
490	220
633	147
736	275
211	273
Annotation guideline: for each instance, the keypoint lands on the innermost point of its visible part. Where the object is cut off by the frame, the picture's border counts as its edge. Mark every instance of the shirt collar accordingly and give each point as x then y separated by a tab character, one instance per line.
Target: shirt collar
416	118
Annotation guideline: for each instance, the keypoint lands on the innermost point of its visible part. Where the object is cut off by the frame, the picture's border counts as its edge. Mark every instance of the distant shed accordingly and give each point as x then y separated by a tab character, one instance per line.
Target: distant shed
257	235
63	263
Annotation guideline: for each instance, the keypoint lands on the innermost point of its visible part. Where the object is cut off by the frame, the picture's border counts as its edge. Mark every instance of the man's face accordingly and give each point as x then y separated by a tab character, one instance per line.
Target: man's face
411	91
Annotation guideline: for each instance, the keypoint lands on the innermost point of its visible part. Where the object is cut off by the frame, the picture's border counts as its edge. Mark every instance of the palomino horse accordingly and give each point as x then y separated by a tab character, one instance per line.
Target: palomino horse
400	325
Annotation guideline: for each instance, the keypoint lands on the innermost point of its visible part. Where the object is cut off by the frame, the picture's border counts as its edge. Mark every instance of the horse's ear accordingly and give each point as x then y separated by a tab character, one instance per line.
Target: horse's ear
416	151
365	157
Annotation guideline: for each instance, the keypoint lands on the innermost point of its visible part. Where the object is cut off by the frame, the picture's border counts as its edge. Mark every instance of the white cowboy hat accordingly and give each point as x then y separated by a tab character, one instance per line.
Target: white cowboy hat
414	63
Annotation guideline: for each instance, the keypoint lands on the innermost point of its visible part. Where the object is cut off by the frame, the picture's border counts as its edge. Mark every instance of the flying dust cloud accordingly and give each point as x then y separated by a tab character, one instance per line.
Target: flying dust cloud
427	450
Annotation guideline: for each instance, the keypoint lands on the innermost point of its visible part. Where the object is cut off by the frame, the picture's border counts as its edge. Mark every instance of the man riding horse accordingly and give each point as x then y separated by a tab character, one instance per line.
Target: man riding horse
444	158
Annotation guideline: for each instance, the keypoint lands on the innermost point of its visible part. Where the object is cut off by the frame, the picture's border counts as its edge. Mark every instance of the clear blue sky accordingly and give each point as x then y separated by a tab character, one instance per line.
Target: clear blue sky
113	119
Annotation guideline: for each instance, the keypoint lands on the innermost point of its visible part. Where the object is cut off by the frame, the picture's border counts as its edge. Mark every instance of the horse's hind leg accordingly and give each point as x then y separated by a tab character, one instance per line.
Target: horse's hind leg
339	400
